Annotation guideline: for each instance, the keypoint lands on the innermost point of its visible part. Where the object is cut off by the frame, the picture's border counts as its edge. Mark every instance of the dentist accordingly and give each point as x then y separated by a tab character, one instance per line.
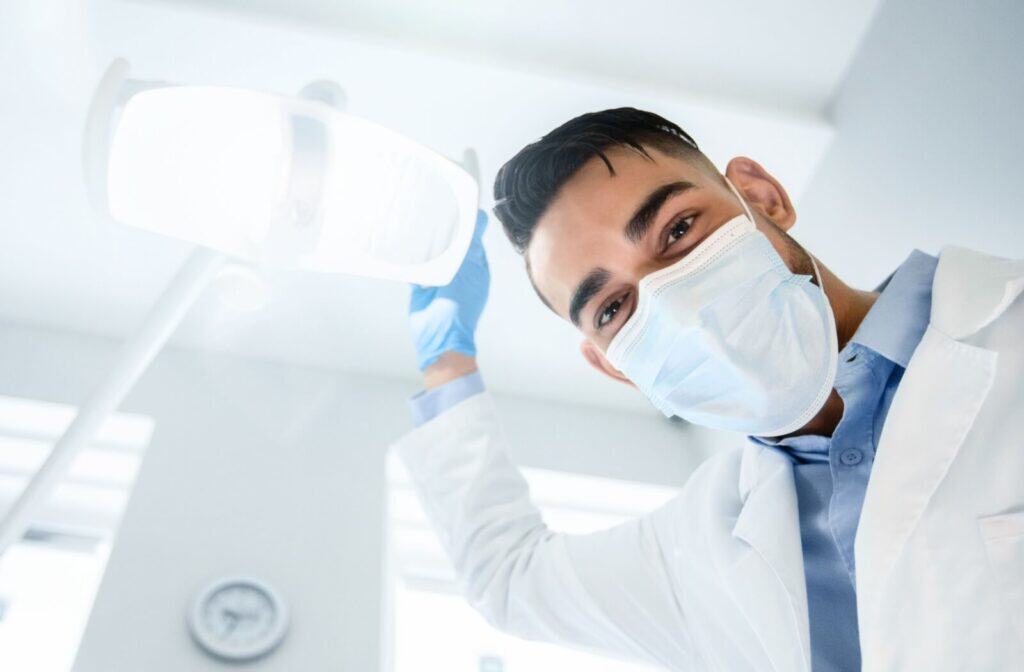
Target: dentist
874	517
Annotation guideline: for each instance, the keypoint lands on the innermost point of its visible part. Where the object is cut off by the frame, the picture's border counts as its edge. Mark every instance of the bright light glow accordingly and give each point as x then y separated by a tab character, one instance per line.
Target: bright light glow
93	492
288	182
48	420
200	164
439	631
47	585
48	591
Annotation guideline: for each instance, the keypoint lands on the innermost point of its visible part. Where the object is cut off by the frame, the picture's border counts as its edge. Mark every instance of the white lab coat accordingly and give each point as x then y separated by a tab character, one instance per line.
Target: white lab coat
714	579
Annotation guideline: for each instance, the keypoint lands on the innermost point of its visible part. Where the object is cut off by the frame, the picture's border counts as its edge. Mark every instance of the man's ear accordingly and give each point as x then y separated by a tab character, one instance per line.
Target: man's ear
596	359
762	191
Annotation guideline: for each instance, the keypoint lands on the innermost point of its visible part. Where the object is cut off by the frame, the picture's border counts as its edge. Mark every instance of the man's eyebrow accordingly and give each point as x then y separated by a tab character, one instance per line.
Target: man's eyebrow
585	291
644	216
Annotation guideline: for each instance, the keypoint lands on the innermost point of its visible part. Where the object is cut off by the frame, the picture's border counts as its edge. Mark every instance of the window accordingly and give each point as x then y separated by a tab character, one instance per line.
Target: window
49	579
435	629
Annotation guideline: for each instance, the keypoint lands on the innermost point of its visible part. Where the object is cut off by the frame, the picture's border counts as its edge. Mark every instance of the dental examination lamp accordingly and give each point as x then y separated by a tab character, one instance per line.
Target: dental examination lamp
262	179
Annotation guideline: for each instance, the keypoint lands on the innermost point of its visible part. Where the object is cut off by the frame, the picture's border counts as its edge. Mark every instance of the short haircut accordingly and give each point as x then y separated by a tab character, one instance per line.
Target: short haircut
530	180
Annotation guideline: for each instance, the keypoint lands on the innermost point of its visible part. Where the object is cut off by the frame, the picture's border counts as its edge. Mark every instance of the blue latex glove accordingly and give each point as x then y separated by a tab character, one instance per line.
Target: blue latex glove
444	319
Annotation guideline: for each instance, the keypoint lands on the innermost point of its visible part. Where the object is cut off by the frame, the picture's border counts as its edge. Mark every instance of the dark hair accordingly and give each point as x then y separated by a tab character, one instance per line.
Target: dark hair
529	181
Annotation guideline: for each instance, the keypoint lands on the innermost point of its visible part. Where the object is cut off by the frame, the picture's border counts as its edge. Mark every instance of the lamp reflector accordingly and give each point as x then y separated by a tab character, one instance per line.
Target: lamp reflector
289	183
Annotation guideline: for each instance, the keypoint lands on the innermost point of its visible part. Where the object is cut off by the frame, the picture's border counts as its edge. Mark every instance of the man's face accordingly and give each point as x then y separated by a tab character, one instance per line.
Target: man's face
603	233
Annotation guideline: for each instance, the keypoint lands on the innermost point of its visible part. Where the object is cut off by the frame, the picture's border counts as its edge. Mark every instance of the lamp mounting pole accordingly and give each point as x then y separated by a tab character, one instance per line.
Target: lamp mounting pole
135	356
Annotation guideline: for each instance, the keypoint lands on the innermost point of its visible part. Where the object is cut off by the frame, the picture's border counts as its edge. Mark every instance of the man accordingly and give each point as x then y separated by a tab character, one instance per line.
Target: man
881	485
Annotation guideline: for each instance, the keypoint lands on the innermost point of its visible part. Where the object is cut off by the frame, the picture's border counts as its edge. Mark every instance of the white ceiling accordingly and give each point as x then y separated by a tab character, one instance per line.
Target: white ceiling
743	77
786	54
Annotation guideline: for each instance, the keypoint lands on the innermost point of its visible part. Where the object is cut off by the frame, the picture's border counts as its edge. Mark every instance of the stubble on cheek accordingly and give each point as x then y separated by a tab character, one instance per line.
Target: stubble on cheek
793	253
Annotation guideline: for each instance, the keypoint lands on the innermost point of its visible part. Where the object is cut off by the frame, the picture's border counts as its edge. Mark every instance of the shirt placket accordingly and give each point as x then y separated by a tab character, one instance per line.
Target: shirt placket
852	450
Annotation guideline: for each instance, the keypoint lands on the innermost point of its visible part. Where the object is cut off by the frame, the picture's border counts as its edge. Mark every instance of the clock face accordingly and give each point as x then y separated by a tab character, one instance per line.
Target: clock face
238	619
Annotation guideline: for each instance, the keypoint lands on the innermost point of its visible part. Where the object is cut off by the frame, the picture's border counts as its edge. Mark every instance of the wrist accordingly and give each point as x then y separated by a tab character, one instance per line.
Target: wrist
448	367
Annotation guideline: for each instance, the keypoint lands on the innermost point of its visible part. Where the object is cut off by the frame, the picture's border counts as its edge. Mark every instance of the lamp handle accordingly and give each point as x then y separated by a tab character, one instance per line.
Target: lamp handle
112	92
96	136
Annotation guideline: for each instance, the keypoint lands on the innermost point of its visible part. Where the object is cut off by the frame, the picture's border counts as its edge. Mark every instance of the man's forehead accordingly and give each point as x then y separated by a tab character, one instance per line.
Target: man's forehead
597	195
583	226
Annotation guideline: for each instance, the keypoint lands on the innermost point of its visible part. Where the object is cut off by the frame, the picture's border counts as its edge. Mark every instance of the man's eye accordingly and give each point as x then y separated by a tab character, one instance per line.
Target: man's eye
678	229
609	312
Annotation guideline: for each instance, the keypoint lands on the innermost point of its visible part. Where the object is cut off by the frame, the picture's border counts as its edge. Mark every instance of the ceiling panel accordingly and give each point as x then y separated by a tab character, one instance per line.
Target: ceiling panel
788	54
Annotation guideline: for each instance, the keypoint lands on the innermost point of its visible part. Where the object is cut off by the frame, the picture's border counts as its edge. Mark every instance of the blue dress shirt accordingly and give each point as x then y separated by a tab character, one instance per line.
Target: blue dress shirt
830	473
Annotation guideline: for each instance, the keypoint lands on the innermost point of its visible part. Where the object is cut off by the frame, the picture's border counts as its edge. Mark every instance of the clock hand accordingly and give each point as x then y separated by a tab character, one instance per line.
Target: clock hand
234	621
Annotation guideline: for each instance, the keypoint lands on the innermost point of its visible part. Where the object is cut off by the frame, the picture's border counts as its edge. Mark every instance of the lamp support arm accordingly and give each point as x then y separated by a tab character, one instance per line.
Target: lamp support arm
133	360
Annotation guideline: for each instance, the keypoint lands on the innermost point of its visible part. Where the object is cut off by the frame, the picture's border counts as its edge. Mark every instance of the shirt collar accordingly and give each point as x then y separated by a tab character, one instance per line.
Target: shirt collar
898	319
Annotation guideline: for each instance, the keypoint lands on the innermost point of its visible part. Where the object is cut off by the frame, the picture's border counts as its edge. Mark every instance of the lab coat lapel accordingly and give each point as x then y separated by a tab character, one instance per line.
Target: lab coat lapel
944	387
768	584
941	392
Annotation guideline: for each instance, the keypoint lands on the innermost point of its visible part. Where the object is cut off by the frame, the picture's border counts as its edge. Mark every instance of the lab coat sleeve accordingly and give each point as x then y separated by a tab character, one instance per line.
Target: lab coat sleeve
607	591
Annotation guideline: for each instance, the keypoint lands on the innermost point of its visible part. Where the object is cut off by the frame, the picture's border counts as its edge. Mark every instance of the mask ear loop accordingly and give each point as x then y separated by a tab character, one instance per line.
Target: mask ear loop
750	216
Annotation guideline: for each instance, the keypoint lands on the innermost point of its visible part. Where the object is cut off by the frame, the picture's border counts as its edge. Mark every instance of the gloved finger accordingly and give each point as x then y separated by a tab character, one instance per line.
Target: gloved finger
476	242
480	227
421	295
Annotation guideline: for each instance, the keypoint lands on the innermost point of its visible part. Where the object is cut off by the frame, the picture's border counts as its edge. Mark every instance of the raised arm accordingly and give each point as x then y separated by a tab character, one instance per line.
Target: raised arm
607	591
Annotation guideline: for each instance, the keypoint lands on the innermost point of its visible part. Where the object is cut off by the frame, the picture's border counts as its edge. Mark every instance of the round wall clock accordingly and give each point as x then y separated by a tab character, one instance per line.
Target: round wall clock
238	619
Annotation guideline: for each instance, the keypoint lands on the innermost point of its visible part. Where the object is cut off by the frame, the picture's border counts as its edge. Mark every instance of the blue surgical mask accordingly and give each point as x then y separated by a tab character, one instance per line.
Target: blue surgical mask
730	338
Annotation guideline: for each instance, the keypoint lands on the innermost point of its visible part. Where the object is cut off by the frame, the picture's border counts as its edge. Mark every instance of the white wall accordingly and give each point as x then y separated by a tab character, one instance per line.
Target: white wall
278	471
929	140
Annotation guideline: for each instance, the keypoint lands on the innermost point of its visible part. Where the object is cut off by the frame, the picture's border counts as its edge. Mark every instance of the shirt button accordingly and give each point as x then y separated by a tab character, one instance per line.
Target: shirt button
851	457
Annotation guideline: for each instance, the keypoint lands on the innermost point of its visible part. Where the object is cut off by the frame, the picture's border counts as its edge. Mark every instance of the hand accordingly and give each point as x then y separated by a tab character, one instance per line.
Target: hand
444	319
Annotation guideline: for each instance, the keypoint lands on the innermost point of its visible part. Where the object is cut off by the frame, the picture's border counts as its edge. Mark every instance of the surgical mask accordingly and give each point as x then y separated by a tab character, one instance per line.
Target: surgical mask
730	338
